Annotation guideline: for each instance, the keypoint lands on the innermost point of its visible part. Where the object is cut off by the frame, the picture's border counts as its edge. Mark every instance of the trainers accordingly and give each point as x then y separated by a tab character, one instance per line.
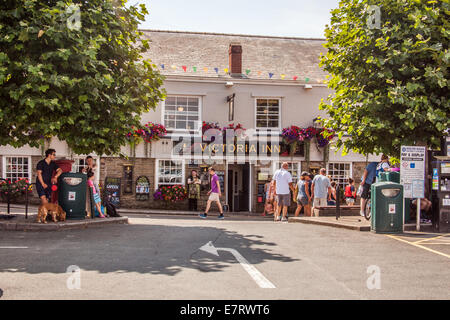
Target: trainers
203	215
284	220
361	213
221	217
279	218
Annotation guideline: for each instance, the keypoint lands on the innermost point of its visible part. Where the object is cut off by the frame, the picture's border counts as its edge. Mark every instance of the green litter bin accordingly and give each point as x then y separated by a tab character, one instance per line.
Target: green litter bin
72	195
387	207
390	176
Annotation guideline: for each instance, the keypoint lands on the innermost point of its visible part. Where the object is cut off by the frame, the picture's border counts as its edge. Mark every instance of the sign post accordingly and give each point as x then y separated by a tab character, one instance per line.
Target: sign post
412	175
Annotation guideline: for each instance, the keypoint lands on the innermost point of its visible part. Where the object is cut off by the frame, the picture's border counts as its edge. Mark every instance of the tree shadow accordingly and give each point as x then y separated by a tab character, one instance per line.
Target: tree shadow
140	248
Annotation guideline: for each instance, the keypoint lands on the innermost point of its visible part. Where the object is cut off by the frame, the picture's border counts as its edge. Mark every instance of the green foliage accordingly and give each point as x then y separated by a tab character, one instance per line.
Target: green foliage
85	86
390	83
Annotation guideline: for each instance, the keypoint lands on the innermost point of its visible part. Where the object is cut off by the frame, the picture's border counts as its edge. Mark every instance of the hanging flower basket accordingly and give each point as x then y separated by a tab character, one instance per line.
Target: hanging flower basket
292	136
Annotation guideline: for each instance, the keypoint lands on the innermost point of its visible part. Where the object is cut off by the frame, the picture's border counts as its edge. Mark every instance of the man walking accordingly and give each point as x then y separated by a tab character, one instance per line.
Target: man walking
214	194
44	170
321	190
283	183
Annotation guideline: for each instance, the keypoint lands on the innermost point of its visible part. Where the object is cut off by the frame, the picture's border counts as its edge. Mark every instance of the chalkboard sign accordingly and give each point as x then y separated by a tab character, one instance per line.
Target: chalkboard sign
112	190
142	188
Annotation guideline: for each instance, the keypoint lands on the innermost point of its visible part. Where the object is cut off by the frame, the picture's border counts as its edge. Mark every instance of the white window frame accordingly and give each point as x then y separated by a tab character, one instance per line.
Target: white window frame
183	172
17	156
200	115
268	129
277	165
75	164
338	162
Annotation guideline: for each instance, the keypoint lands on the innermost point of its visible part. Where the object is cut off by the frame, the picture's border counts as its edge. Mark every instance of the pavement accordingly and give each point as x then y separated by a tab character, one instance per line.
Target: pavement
183	257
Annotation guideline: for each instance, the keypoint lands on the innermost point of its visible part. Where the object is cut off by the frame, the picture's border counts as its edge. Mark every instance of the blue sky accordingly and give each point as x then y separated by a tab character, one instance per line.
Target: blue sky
297	18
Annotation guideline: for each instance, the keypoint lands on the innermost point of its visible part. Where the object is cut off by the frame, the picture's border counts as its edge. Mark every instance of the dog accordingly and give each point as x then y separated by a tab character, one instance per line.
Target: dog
55	211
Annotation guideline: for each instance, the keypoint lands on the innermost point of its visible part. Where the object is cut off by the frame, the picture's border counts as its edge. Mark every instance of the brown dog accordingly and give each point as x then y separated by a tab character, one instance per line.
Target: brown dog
55	211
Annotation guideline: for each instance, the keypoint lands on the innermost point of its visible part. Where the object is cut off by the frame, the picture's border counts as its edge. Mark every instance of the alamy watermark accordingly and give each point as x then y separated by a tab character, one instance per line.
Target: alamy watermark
374	19
374	280
74	280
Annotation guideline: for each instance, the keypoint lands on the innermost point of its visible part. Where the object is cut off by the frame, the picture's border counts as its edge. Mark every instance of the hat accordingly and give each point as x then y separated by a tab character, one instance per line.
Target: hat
304	173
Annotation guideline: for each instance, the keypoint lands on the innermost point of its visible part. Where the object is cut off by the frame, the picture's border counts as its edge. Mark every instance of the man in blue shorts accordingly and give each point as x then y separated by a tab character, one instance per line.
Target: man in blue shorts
44	180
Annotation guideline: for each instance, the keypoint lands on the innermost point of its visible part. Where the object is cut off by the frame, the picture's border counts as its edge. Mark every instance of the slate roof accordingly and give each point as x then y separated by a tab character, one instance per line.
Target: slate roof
291	57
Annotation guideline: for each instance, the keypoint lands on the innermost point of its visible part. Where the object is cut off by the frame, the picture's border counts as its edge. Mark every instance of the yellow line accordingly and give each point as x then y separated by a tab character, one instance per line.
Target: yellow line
419	246
430	239
443	243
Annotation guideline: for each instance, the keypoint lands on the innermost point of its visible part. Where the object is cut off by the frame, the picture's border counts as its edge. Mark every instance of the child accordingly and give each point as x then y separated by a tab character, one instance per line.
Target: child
90	176
350	192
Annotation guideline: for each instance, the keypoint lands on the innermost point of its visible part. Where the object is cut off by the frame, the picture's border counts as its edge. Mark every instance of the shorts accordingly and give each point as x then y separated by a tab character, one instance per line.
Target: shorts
320	202
303	201
284	199
43	192
366	189
97	198
214	197
350	200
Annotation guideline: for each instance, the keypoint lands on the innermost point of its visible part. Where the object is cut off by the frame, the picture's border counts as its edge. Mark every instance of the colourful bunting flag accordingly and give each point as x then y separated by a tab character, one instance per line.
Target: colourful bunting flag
195	69
205	69
295	78
270	75
283	76
306	80
247	71
173	67
259	73
225	70
162	66
184	68
216	70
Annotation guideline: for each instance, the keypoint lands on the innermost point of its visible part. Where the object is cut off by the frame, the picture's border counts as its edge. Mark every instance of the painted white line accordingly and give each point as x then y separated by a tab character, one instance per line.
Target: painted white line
251	270
13	247
419	246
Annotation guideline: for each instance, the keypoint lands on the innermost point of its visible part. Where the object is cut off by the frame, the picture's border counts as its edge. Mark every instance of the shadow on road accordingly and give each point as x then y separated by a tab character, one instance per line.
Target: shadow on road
154	249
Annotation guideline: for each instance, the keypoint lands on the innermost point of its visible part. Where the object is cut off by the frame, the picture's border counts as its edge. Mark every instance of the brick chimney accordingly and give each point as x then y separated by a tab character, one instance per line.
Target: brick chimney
235	59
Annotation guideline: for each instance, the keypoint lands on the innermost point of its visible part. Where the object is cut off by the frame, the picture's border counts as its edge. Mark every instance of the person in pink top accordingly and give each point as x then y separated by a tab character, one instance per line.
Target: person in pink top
97	200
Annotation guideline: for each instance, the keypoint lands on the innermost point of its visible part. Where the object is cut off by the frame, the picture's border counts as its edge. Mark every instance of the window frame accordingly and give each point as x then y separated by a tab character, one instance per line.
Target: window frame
4	162
345	178
267	129
200	114
157	167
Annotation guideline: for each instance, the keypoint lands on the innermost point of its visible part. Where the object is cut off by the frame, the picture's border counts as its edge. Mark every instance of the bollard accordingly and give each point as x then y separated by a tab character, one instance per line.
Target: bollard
338	205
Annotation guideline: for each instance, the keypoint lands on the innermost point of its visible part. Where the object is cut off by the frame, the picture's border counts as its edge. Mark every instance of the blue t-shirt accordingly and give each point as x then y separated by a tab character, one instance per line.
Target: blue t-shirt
371	172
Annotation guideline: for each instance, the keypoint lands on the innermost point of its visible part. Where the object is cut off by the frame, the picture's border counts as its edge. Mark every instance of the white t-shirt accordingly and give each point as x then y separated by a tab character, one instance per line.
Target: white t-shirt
283	178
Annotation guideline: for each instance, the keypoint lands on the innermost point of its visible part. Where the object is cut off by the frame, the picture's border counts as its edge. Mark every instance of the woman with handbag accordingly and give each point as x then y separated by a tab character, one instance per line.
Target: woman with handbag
193	190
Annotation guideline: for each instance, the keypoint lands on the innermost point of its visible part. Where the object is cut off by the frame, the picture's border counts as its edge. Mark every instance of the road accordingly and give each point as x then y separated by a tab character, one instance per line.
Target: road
159	257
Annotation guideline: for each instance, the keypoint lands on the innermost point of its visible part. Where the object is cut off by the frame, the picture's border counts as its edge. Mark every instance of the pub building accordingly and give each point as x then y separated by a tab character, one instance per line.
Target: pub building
263	83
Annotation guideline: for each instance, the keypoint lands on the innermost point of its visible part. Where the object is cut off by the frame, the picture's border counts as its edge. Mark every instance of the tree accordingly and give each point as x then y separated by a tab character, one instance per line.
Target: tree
73	70
388	64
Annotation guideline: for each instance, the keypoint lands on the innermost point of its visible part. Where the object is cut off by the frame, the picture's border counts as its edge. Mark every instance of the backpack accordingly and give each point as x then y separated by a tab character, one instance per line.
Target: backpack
348	192
110	208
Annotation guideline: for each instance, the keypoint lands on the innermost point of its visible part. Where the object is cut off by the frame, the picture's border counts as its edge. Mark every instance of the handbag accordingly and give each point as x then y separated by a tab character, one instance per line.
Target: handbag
360	191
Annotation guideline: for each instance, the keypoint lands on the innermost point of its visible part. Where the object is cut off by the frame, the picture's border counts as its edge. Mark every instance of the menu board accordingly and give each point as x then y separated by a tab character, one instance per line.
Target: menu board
112	188
142	188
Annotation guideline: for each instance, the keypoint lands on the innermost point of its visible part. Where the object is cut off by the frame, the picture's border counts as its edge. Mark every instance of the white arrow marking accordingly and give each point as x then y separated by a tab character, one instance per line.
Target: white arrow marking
252	271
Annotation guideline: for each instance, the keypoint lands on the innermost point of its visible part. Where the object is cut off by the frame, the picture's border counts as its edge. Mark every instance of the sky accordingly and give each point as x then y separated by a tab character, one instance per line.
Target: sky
287	18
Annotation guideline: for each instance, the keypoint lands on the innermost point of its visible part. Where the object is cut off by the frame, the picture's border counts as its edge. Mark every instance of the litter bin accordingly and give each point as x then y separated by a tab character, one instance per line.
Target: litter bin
391	176
387	207
72	195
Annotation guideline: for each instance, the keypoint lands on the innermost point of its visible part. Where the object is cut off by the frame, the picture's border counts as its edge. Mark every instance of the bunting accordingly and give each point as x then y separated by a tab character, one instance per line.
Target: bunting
270	75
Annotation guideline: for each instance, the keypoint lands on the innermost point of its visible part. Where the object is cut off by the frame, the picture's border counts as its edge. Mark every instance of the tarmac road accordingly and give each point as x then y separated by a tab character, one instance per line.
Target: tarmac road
159	257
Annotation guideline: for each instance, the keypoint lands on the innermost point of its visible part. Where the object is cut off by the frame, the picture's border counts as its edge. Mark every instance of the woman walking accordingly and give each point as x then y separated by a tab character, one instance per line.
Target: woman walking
193	190
303	195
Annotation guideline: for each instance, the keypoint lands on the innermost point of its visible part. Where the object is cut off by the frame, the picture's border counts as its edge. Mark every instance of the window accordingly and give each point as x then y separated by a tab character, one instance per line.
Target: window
340	172
182	113
78	165
15	168
169	172
267	113
293	169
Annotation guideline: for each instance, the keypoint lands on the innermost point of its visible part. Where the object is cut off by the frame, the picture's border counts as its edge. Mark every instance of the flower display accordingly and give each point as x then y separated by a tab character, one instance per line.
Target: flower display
292	134
173	193
148	132
14	189
324	136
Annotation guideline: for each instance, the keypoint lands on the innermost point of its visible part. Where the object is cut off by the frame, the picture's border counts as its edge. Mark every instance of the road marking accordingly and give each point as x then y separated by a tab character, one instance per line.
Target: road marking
430	239
13	247
419	246
252	271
